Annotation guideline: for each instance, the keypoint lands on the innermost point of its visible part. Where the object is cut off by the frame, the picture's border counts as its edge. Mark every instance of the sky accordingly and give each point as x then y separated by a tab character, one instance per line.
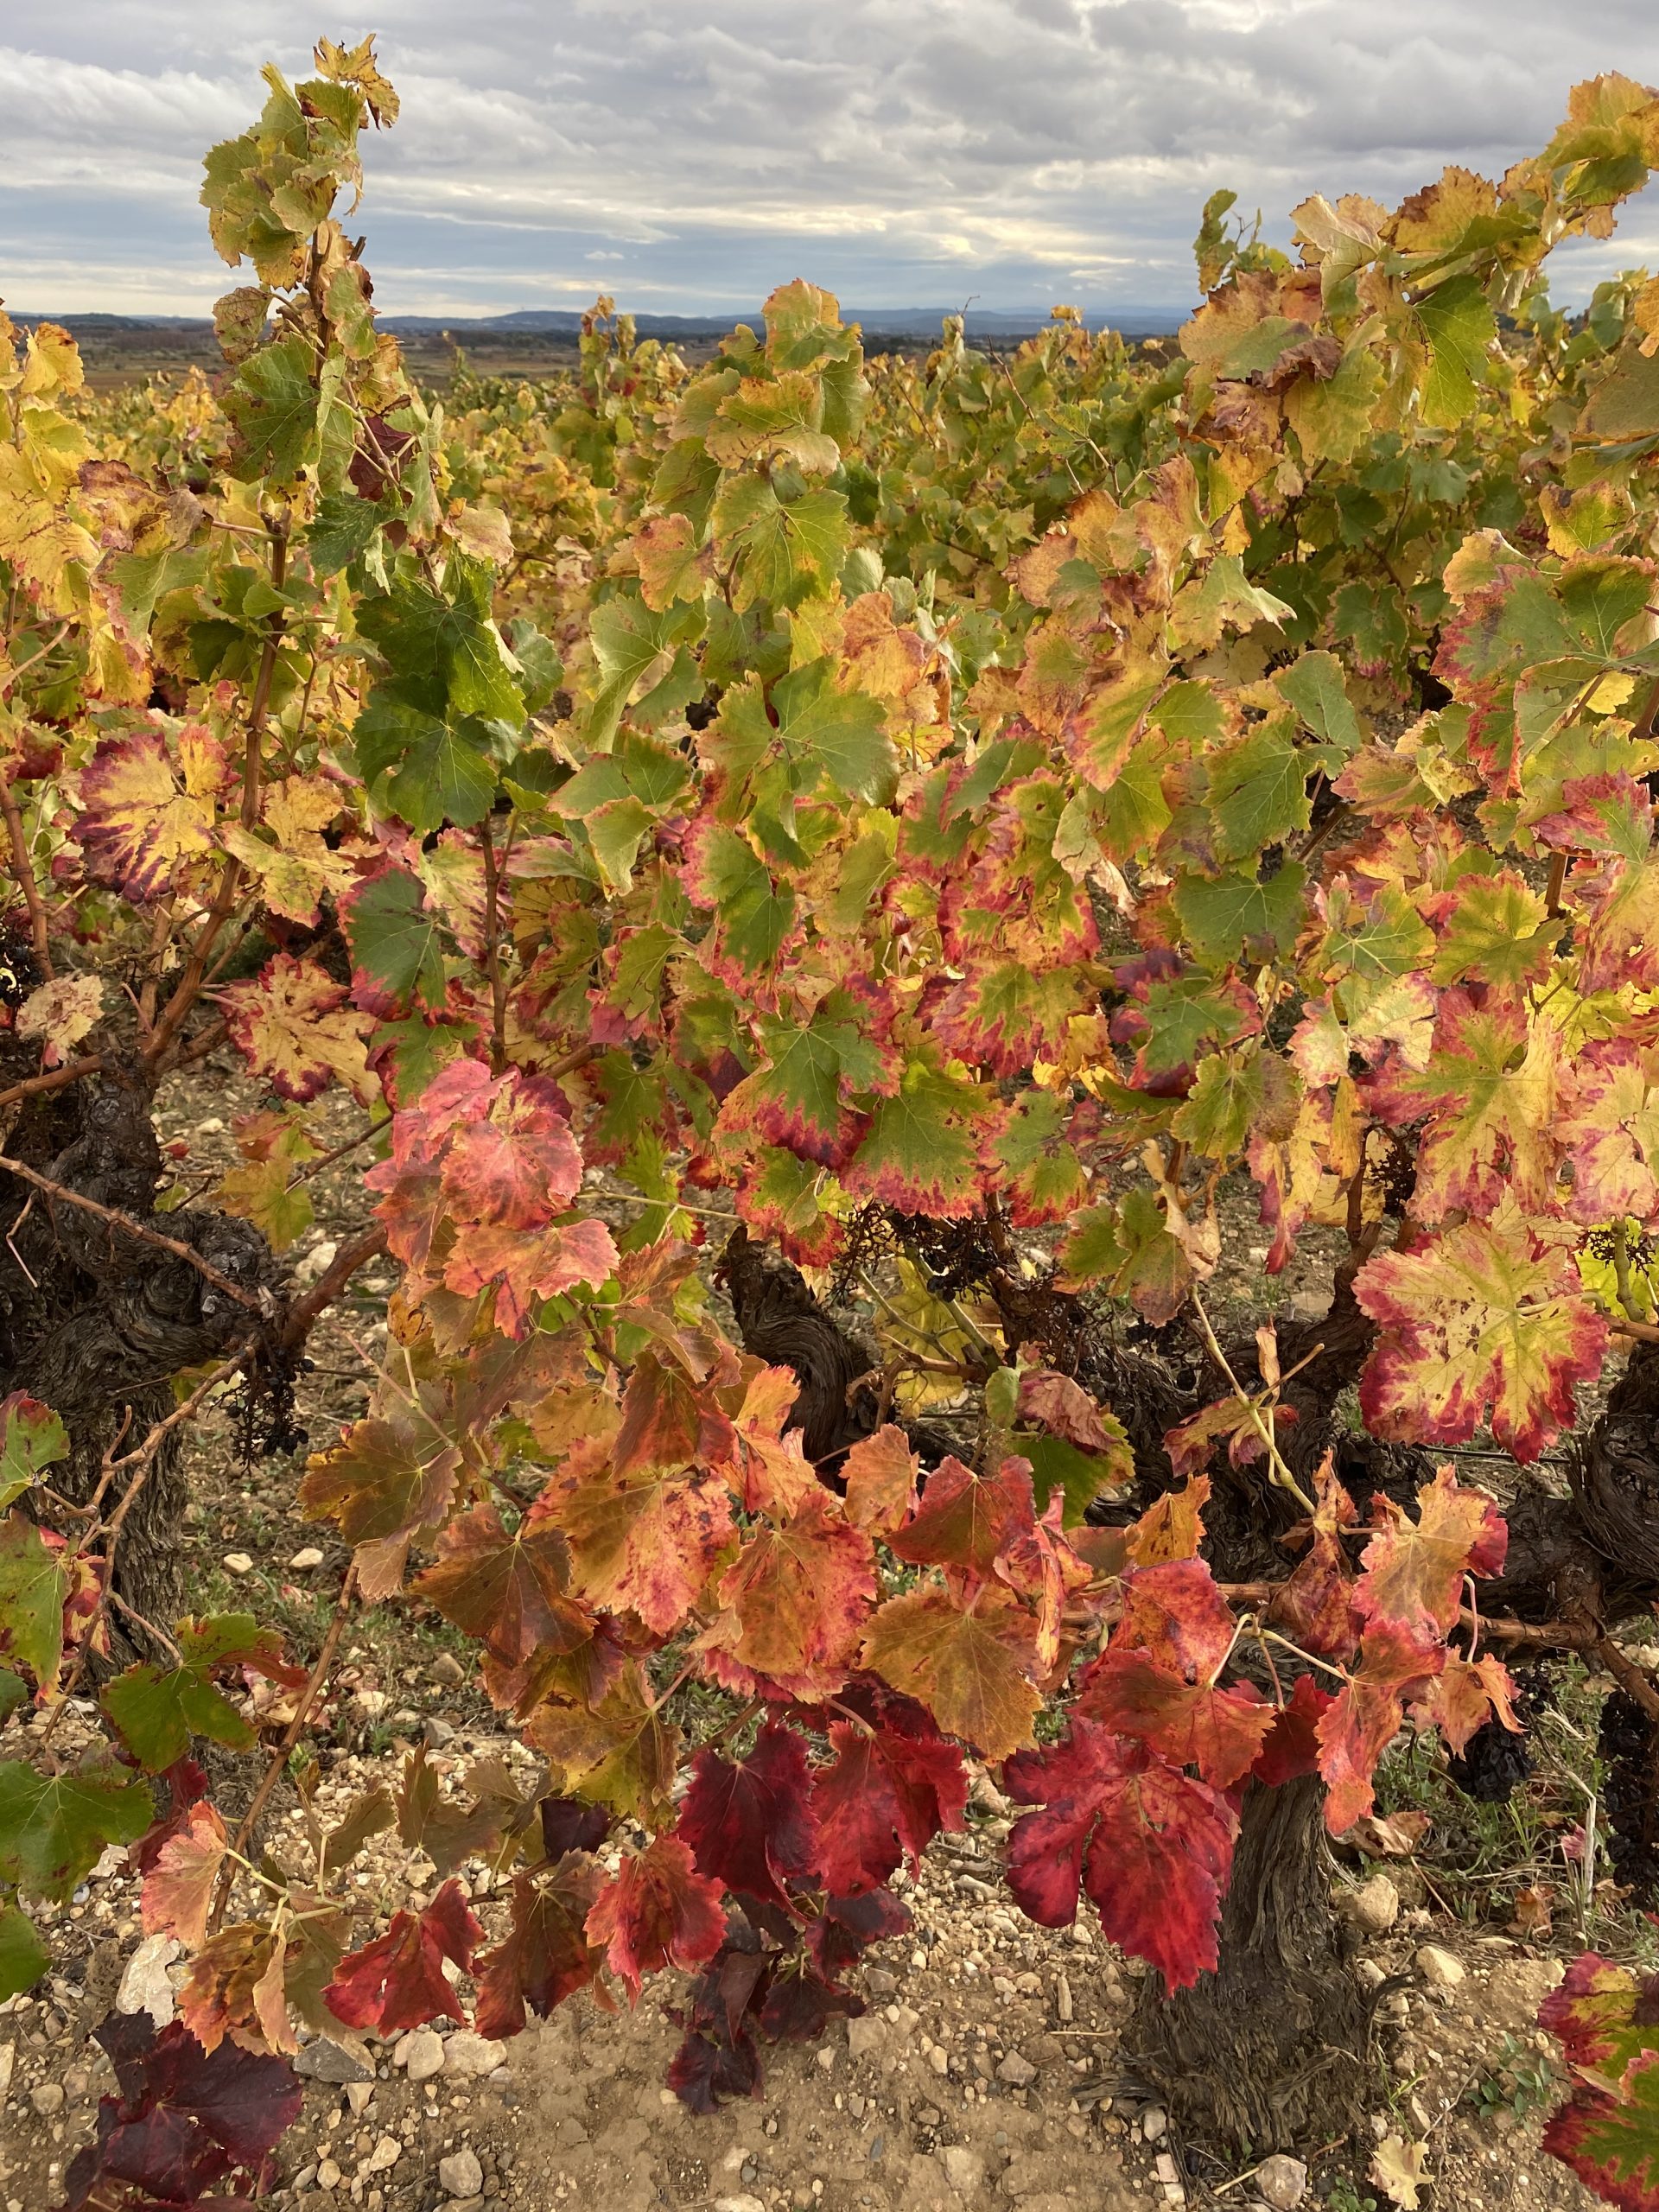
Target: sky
687	156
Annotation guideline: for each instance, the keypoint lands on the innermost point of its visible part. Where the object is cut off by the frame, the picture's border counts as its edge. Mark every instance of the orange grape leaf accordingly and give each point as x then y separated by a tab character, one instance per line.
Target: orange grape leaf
880	1474
507	1590
1174	1612
1414	1573
1464	1695
971	1666
179	1888
382	1484
656	1910
1362	1720
646	1547
616	1751
770	1469
799	1592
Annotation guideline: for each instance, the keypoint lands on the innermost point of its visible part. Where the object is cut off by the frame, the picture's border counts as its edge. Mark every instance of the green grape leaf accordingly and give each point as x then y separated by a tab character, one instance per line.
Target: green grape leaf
23	1957
53	1828
32	1439
33	1588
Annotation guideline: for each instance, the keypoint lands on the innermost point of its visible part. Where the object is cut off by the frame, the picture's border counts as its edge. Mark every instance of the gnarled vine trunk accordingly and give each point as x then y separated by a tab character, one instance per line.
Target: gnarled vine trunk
1269	2051
95	1321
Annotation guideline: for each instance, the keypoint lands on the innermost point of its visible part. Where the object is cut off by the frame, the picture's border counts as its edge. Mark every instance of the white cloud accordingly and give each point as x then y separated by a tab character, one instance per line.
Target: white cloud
893	149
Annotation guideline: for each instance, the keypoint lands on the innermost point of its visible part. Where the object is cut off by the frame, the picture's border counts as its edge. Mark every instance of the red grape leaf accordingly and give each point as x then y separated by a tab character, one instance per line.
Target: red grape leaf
1150	1845
1413	1578
185	2118
1484	1324
1315	1607
656	1910
295	1027
971	1665
546	1956
881	1476
1363	1718
750	1825
399	1981
179	1888
886	1795
1292	1746
1221	1732
968	1521
507	1590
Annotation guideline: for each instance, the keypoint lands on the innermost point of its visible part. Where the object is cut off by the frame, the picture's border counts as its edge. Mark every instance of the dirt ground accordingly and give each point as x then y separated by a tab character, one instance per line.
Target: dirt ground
993	2064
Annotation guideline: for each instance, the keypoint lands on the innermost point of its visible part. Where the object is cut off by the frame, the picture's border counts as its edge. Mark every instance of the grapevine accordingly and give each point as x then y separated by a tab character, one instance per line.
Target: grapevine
956	824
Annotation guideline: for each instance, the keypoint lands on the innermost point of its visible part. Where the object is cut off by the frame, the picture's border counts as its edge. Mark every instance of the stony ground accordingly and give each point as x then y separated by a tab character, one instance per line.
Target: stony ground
992	2067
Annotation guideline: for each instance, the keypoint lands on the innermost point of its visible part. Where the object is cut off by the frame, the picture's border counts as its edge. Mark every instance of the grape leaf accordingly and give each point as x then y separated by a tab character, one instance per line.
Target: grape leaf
1152	1847
178	1890
971	1665
396	946
143	819
968	1521
1413	1574
1363	1718
507	1590
888	1792
185	2121
397	1981
157	1710
54	1827
1482	1324
880	1472
33	1590
32	1439
1608	2131
1221	1732
23	1957
294	1026
656	1910
751	1825
796	1597
545	1956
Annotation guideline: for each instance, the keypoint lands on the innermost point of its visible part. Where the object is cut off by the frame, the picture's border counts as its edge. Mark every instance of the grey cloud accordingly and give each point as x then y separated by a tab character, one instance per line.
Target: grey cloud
694	152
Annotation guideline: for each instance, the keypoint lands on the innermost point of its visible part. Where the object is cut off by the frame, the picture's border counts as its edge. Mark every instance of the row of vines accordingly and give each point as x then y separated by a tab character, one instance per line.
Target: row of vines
963	818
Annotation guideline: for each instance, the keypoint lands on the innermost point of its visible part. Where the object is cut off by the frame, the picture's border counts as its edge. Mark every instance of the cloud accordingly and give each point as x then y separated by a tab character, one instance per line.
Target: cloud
902	151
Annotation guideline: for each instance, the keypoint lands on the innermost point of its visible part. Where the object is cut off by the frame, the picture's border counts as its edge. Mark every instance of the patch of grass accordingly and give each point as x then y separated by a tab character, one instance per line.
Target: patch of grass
1524	2082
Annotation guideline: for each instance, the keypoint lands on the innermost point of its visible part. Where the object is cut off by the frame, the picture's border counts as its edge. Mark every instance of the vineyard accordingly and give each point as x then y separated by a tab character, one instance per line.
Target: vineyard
848	928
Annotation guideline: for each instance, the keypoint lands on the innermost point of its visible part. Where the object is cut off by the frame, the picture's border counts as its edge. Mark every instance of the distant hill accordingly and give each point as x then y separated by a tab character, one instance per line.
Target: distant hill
556	323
